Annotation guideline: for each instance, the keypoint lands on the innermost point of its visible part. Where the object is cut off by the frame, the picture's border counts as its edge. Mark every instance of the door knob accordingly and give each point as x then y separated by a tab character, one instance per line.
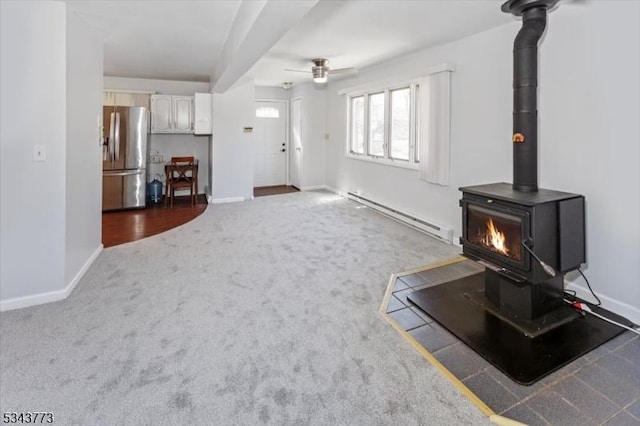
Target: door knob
282	144
283	150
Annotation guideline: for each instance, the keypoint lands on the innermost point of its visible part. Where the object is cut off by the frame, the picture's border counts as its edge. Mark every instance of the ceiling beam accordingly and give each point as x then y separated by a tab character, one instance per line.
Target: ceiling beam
258	25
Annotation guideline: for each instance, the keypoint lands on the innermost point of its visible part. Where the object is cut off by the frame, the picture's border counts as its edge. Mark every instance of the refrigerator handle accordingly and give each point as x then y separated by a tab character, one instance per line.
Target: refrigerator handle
123	172
117	135
111	136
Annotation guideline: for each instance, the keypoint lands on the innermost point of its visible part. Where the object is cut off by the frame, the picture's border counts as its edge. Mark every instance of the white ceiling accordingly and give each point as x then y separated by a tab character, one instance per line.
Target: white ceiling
361	33
184	40
173	40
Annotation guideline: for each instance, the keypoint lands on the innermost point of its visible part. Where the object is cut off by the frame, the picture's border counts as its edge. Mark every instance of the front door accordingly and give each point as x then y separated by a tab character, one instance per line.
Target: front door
270	153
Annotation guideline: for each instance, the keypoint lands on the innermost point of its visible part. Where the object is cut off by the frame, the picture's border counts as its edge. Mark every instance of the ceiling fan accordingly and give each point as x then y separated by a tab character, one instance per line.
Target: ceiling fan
321	71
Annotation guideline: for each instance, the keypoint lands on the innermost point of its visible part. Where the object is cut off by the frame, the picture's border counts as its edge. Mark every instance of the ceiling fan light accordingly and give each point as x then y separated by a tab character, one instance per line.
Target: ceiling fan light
319	74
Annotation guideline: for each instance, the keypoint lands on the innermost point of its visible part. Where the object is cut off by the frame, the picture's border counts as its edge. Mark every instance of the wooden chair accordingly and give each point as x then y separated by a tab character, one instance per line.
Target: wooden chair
182	173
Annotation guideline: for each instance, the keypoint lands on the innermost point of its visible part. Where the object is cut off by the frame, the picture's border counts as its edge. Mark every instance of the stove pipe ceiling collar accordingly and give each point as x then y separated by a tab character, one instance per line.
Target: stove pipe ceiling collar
525	84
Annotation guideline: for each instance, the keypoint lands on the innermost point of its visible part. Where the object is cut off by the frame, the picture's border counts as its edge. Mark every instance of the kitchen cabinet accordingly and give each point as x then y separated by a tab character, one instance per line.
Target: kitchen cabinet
203	114
161	121
171	114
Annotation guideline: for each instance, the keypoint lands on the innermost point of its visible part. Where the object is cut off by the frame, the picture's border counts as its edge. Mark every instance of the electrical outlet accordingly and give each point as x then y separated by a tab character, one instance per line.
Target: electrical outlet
156	158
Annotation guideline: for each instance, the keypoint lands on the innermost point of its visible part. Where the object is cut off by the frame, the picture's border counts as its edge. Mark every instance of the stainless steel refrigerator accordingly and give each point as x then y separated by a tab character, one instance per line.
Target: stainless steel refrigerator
124	157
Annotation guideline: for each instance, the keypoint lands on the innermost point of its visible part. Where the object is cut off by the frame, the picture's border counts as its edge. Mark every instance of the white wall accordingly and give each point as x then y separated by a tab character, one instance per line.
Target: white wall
480	128
589	126
32	112
269	92
232	172
83	151
169	145
313	117
589	104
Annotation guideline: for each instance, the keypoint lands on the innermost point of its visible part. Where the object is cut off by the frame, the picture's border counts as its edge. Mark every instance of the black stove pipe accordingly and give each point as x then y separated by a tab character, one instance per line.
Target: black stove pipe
525	113
525	85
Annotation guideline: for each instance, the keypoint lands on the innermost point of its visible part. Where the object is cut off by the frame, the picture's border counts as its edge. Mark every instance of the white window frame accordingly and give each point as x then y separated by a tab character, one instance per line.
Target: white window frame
350	124
412	107
414	130
385	120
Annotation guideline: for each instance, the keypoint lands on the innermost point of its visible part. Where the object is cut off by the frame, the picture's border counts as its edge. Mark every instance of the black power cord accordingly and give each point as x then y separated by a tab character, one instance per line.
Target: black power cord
590	289
550	271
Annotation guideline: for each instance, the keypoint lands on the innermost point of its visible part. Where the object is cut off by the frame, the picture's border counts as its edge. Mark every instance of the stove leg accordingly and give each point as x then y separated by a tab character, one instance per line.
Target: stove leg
523	300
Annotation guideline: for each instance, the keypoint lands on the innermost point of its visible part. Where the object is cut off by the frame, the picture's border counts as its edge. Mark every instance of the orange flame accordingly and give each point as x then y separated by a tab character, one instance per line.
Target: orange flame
496	238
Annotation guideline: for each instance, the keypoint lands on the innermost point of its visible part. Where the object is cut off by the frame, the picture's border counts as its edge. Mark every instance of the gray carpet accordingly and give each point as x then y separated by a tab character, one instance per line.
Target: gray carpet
263	312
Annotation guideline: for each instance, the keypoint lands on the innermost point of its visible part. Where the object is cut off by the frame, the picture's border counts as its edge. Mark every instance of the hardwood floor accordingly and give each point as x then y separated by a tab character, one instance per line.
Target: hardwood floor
273	190
130	225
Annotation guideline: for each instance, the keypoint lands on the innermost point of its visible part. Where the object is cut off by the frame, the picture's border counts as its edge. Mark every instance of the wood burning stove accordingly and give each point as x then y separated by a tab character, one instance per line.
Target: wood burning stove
511	232
527	238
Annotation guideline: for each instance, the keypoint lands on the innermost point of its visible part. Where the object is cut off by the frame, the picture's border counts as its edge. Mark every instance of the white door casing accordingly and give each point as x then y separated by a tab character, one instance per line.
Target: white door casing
270	137
295	155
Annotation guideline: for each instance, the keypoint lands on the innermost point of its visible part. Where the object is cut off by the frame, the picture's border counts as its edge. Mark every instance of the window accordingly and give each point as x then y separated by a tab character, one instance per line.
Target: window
267	112
357	125
403	124
399	136
382	126
376	125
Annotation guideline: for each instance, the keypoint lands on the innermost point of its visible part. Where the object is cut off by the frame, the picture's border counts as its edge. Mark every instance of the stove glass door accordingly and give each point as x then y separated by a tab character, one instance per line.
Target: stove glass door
495	231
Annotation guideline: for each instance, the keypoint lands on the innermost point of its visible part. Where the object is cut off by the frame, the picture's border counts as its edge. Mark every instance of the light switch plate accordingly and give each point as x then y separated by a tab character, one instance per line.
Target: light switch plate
39	153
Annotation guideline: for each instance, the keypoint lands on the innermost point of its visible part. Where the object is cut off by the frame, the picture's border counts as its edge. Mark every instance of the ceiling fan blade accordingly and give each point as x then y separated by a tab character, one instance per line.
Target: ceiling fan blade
308	72
342	70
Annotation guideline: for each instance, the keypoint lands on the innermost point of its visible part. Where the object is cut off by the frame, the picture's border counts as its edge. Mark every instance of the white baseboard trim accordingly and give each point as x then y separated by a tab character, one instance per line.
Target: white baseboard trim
332	189
629	312
337	191
313	187
50	296
74	282
434	229
32	300
226	200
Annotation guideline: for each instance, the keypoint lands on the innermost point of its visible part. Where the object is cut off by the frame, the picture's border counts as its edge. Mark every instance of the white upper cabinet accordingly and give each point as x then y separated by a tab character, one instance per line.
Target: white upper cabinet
161	114
203	114
183	114
171	114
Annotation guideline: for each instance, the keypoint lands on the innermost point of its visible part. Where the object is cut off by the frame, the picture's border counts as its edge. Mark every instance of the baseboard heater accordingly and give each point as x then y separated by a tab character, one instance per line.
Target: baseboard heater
440	232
